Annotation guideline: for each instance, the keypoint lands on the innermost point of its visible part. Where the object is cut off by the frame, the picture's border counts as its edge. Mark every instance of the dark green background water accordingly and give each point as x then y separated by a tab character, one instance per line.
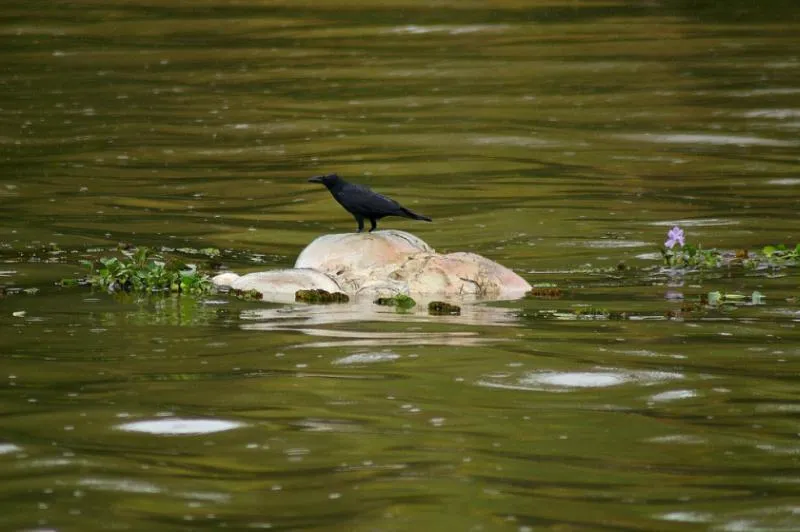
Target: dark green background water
558	138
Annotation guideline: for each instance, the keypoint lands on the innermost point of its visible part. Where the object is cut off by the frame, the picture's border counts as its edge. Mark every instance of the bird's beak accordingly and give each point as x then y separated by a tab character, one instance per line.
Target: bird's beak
316	179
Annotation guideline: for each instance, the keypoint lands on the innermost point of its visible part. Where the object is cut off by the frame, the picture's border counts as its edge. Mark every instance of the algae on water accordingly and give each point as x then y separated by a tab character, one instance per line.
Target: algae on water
401	301
319	296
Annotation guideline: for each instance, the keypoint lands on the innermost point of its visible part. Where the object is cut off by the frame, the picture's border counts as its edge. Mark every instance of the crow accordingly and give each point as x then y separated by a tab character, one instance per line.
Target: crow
363	203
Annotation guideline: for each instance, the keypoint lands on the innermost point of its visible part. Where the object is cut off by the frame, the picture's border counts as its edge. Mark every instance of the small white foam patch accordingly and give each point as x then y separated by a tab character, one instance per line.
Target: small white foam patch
577	379
6	448
566	381
137	486
778	114
672	395
680	439
711	140
788	181
446	28
178	426
129	486
699	222
366	358
687	517
616	244
523	142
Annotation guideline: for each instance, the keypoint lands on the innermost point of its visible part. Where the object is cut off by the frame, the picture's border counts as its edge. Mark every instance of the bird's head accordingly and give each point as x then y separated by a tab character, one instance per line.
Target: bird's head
327	180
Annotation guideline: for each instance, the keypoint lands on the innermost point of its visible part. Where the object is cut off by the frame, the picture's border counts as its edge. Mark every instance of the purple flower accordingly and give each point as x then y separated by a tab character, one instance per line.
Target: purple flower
675	236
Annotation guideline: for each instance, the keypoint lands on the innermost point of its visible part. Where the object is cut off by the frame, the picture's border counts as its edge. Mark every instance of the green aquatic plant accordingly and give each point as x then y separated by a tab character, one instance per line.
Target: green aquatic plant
401	301
142	270
585	312
248	295
733	299
679	254
716	301
320	296
596	313
781	254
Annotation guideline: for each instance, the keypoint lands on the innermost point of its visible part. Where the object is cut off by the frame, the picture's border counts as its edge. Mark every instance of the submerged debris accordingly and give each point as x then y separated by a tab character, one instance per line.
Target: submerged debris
320	296
440	308
544	291
400	301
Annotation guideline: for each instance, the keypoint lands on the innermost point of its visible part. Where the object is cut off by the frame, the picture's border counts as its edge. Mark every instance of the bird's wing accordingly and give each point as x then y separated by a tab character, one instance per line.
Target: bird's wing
359	198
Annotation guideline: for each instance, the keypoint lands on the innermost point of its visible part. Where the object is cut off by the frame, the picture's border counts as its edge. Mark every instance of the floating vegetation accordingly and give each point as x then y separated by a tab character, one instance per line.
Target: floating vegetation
693	257
248	295
211	253
781	255
142	270
15	290
319	296
207	259
401	301
594	313
589	313
440	308
717	301
732	299
544	291
679	254
68	282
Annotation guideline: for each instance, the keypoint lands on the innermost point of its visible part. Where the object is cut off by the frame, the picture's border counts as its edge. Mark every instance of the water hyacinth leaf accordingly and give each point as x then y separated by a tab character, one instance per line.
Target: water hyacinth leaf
141	270
735	297
714	298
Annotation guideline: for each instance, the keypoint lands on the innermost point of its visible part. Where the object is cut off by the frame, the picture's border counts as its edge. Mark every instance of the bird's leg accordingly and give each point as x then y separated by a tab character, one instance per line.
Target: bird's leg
360	220
373	224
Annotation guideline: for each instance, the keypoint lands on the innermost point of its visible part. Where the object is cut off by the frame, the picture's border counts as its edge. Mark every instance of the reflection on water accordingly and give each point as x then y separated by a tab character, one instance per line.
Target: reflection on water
312	319
595	379
561	139
695	139
177	426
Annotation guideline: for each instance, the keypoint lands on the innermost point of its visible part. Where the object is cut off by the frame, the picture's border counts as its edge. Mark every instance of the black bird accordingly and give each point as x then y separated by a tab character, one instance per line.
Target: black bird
363	203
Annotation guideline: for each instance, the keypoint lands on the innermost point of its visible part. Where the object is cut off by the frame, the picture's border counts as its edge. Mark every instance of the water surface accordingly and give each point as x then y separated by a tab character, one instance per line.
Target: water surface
559	139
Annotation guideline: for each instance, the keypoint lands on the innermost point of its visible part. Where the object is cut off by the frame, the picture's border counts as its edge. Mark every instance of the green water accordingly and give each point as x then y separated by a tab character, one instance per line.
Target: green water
559	138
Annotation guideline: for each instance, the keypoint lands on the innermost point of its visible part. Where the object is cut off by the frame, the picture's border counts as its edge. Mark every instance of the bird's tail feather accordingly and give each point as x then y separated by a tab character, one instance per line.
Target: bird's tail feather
411	214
